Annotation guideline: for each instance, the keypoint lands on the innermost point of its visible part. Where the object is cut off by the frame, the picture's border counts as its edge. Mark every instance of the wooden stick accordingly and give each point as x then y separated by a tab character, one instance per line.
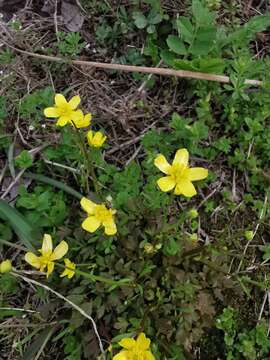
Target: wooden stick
142	69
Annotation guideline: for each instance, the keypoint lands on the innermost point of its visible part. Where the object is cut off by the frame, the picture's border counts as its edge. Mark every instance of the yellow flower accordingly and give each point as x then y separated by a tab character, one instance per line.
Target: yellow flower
179	175
48	255
135	349
96	139
98	215
83	121
65	111
5	266
69	269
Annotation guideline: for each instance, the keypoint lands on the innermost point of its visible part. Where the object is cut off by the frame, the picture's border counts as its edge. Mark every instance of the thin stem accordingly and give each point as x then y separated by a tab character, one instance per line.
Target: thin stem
76	307
92	277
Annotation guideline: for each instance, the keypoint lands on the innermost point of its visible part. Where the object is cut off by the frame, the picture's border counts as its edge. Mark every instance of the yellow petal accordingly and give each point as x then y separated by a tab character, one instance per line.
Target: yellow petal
64	273
50	267
83	122
74	102
63	120
99	139
166	183
88	205
162	164
91	224
110	229
51	112
123	355
46	245
60	251
181	157
143	342
60	100
76	115
33	260
196	173
127	343
149	356
185	187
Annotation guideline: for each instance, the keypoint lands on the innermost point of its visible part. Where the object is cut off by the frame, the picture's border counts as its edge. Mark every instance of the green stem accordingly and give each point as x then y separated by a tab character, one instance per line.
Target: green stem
92	277
88	162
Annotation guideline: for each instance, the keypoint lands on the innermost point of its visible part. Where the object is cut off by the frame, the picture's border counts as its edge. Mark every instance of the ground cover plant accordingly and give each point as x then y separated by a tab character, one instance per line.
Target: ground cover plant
134	207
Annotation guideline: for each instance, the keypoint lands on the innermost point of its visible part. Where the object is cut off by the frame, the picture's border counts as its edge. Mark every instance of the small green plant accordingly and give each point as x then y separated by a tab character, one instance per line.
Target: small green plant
70	44
250	344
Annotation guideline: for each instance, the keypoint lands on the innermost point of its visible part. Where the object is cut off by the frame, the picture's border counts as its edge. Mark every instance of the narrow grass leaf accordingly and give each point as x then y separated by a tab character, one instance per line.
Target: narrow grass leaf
26	233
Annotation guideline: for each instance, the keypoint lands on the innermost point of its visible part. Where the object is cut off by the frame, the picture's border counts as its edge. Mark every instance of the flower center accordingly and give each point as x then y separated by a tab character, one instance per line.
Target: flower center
178	171
64	110
102	213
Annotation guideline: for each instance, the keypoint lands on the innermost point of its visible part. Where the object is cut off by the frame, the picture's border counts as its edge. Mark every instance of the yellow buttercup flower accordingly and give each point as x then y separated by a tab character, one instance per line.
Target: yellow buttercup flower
98	215
96	139
48	255
5	266
135	349
179	174
69	269
83	121
65	111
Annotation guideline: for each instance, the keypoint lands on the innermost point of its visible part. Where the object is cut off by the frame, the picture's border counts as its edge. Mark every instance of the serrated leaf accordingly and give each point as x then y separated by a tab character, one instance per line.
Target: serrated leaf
185	65
247	32
211	65
176	45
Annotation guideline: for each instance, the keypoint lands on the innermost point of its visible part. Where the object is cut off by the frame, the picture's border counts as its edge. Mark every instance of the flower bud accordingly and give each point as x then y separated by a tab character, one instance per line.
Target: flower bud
149	248
193	237
249	235
5	266
193	214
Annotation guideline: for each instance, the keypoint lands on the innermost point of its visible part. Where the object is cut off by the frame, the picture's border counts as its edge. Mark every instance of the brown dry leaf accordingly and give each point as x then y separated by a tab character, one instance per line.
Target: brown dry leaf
72	16
205	304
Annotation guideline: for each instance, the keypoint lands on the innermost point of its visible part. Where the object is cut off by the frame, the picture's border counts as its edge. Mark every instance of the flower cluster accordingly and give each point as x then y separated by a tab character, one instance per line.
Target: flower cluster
49	256
67	113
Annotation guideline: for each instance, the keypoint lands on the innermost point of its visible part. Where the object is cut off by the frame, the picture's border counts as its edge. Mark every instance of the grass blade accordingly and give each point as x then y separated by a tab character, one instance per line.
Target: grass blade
55	183
25	232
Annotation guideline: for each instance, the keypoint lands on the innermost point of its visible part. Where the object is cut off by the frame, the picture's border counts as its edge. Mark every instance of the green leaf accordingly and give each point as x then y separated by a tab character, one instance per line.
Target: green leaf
139	20
204	41
185	29
26	233
176	45
154	17
201	14
24	160
185	65
151	29
168	57
59	185
211	65
247	32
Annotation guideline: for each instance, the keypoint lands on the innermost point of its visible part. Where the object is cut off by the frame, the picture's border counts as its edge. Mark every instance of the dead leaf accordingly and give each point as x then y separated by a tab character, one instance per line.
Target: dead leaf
205	304
72	16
